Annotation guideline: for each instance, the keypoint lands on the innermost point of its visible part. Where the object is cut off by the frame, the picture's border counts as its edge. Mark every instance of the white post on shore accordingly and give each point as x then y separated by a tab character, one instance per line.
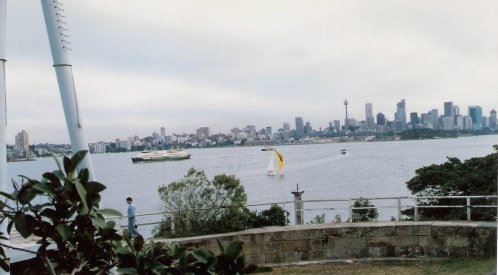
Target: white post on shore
59	44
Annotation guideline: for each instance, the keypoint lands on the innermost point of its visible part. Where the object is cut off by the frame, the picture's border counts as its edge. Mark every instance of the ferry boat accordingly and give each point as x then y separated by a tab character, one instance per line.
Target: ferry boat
162	155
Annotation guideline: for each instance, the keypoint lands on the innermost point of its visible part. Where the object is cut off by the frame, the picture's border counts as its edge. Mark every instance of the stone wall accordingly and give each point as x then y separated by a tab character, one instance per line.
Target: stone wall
357	240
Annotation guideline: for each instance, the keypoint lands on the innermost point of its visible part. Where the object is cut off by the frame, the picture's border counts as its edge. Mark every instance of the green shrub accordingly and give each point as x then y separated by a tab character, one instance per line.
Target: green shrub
275	216
363	215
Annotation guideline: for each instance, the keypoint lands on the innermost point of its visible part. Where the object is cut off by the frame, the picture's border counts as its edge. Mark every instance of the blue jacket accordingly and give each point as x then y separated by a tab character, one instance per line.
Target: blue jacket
131	211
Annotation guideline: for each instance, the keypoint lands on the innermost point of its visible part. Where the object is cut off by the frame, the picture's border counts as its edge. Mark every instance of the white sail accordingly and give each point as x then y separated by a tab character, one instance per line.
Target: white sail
276	164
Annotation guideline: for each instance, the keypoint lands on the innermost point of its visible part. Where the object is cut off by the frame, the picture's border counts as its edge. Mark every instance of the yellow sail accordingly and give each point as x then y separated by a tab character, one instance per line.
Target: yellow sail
280	161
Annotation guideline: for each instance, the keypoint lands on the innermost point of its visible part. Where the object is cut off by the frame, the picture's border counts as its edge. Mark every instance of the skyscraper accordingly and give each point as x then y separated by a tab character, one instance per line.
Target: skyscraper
163	132
381	119
286	126
369	118
475	112
22	144
414	119
400	115
299	127
435	119
492	119
449	110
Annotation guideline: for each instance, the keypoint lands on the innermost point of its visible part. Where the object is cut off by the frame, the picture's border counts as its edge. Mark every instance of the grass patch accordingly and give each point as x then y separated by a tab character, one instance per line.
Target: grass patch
448	266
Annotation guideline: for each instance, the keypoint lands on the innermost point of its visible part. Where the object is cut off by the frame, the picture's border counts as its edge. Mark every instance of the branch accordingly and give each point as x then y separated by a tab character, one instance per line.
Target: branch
17	248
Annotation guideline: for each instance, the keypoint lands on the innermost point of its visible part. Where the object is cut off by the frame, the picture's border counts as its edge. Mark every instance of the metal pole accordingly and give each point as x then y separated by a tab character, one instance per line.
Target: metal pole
59	44
3	113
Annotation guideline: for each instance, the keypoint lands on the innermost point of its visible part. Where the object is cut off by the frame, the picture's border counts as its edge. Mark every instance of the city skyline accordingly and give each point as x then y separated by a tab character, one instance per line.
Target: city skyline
140	66
474	113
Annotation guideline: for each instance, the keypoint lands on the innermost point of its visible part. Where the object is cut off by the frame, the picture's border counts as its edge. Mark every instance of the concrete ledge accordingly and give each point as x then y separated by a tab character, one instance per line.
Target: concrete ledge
378	240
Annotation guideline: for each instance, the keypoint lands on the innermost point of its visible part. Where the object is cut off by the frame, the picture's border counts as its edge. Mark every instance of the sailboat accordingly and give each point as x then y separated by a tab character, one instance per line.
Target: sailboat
276	164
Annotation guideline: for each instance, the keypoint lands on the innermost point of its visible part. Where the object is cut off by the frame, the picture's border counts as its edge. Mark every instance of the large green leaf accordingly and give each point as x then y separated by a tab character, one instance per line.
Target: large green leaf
56	159
53	178
98	222
109	212
202	255
68	165
64	231
76	159
44	187
84	175
82	193
21	224
234	249
12	196
94	187
26	194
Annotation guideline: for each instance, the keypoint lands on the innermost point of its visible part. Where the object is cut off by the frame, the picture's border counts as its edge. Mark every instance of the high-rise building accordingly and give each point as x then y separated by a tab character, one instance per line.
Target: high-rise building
22	144
369	118
381	119
492	119
299	127
435	118
307	128
203	132
467	123
475	112
163	132
400	115
268	131
337	125
449	109
286	126
414	119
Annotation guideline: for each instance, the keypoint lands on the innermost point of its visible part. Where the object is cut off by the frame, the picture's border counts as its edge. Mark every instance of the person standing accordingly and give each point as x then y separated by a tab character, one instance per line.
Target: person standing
131	219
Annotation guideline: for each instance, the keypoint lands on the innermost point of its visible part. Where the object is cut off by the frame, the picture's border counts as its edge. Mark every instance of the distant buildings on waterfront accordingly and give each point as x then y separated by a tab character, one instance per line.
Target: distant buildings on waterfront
452	122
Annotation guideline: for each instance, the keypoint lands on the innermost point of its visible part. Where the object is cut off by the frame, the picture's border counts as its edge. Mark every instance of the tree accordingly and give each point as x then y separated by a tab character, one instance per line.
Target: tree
363	215
197	206
275	216
475	176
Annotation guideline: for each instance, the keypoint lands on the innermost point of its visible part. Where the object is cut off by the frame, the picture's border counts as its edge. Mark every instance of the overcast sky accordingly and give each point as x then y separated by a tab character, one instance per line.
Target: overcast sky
142	65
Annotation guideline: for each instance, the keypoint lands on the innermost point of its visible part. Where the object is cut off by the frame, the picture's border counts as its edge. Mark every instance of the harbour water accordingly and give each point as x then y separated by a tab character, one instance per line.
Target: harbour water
370	169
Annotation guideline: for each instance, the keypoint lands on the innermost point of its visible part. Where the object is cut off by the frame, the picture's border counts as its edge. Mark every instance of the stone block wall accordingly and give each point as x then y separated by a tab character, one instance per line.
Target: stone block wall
357	240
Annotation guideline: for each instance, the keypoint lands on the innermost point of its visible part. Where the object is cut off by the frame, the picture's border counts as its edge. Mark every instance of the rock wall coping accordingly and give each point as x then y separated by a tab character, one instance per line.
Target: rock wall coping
294	243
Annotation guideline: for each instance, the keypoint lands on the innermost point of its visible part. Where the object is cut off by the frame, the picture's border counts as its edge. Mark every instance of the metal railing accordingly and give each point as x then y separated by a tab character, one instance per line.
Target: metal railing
393	205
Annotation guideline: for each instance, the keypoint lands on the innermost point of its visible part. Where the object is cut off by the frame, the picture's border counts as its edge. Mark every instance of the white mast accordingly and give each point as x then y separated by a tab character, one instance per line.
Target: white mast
59	44
3	111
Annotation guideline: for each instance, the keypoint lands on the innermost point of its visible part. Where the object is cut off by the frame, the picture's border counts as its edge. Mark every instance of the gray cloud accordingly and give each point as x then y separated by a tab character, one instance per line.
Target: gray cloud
139	66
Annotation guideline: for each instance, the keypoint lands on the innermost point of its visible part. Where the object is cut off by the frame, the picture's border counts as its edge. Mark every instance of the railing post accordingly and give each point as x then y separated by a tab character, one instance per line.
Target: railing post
350	211
415	208
468	208
298	206
399	209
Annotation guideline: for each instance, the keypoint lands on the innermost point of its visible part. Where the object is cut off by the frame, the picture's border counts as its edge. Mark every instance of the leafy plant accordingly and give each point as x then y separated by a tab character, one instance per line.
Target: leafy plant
160	258
63	211
275	216
318	219
362	215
